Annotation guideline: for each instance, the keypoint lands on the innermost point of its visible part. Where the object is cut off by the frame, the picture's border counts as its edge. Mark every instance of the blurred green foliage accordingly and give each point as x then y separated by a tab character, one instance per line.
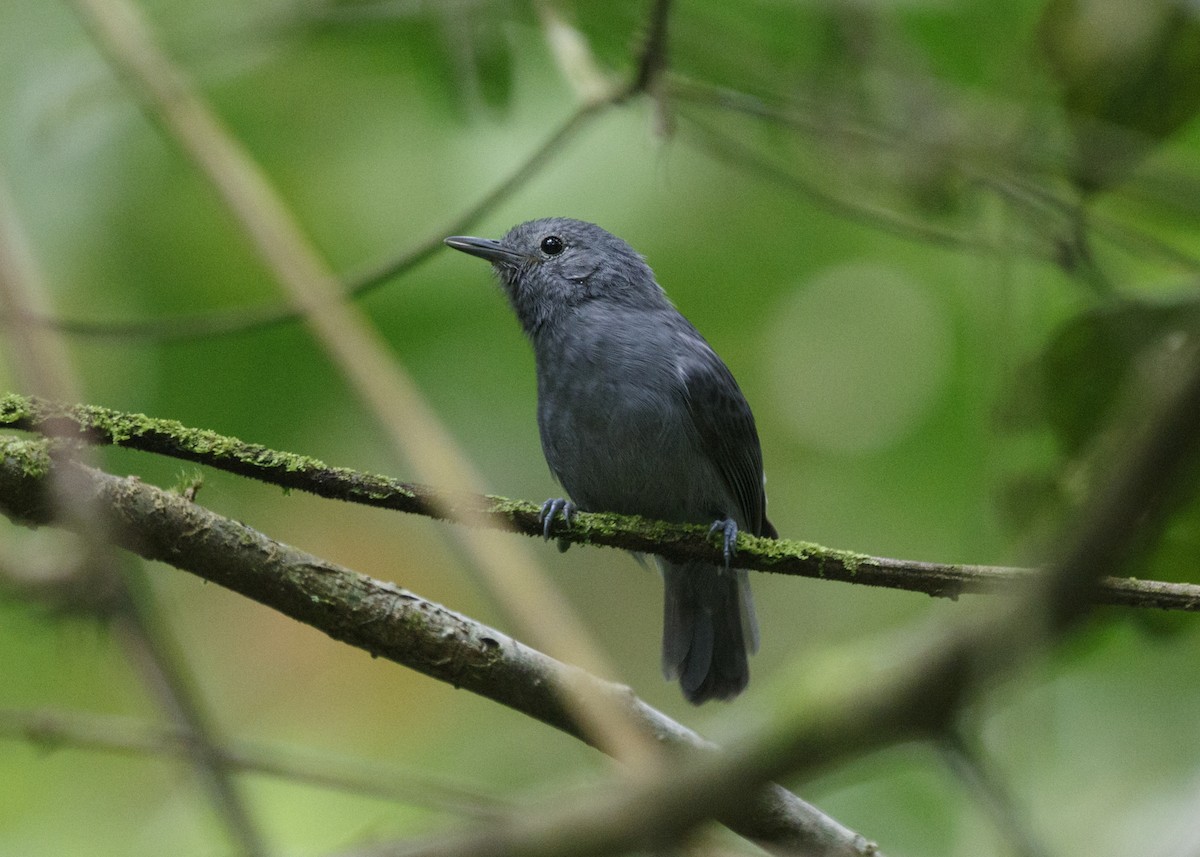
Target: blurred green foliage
875	212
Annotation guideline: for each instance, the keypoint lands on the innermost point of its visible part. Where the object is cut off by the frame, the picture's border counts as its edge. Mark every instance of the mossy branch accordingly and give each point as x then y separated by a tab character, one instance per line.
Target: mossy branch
382	619
101	426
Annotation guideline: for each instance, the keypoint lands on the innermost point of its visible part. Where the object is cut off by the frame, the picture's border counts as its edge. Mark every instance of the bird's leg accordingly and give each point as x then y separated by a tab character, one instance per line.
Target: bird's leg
551	509
728	529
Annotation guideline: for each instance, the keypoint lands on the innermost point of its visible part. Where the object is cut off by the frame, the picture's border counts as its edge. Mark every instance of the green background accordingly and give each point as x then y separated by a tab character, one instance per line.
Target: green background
890	377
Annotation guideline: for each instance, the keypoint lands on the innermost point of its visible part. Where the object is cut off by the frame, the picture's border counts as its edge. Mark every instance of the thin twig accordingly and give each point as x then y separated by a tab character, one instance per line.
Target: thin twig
1007	179
673	541
728	149
54	730
104	586
510	572
652	61
990	791
238	320
356	284
919	693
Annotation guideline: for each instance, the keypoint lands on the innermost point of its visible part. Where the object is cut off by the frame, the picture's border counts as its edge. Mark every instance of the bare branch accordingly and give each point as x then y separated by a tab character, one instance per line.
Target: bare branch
727	148
223	322
652	60
511	575
146	642
966	761
55	730
915	697
1047	209
389	622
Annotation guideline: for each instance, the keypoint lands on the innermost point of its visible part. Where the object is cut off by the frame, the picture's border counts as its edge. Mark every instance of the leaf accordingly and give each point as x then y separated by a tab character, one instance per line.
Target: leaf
1130	78
492	63
1100	375
1105	360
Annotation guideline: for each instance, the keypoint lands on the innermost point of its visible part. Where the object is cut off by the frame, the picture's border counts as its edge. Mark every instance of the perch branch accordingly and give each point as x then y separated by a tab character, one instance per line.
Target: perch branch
41	360
914	696
388	622
676	542
355	347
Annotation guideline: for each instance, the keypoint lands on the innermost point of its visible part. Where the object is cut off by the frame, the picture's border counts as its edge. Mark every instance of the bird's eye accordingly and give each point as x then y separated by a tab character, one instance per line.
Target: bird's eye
552	245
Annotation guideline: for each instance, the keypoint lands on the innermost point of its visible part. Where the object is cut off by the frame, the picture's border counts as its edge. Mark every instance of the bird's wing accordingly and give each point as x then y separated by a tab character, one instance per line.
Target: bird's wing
727	433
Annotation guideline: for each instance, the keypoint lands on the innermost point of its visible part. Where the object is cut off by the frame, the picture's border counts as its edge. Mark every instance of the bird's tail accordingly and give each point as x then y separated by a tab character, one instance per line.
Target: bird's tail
709	629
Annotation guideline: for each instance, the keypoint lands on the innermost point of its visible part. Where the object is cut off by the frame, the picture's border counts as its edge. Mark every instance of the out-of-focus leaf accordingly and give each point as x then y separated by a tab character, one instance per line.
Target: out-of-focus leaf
1097	377
458	53
492	63
1026	500
1175	557
612	28
1130	77
1107	358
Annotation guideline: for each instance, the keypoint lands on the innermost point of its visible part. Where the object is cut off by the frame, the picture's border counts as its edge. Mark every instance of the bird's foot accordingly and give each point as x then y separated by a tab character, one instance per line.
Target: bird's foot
728	529
551	509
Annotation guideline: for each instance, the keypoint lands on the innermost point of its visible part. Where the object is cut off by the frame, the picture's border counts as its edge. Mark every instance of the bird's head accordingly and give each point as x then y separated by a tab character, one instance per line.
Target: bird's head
549	266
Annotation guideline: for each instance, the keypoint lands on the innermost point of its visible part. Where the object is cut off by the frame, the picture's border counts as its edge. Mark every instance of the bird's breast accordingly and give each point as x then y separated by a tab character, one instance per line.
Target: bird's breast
617	434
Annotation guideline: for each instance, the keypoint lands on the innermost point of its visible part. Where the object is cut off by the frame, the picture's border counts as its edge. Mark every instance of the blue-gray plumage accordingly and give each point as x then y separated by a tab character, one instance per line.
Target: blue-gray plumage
639	415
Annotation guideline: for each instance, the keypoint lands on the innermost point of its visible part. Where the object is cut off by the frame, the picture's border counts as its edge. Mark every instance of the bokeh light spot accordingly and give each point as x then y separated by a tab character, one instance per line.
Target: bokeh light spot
858	355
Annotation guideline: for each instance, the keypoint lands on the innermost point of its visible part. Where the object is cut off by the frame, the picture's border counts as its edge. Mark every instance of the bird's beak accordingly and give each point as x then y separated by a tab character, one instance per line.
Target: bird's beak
485	248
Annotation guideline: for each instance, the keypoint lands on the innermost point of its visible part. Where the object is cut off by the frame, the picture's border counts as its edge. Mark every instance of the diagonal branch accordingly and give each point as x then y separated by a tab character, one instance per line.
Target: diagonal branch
914	697
676	542
222	322
650	63
358	283
355	347
42	361
386	621
991	793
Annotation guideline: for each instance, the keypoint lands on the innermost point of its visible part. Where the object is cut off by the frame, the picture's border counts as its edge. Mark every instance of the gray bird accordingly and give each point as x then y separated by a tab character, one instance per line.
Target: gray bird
638	415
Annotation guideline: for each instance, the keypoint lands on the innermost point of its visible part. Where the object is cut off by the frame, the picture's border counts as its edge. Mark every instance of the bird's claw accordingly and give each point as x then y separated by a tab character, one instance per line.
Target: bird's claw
551	509
728	529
